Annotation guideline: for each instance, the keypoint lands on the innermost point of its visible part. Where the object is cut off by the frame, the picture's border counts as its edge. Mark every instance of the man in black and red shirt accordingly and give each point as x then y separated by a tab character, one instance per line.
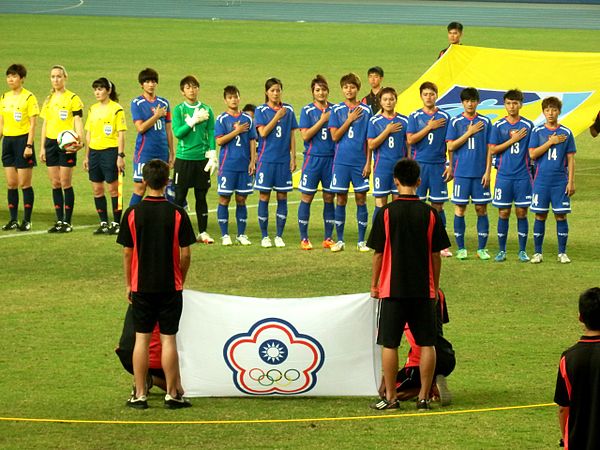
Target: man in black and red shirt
578	380
407	237
156	236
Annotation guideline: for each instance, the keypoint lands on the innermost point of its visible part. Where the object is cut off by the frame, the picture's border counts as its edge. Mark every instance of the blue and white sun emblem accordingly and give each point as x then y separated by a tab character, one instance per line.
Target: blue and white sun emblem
273	352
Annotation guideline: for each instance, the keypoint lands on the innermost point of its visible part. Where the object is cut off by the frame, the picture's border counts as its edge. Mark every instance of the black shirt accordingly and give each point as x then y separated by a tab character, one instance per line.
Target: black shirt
372	101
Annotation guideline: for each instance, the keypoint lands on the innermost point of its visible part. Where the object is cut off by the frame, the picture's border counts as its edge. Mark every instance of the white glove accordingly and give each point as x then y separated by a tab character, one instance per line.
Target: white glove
200	115
213	162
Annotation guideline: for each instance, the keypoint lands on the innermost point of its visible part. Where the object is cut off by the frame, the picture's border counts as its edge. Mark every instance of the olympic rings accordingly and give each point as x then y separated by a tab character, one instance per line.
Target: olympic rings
274	376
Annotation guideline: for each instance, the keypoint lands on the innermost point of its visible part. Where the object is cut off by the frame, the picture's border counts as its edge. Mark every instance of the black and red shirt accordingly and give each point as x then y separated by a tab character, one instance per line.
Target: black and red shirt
156	230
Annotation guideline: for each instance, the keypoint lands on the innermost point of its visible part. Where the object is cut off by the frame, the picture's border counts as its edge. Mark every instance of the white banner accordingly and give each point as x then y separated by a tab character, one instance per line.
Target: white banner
242	346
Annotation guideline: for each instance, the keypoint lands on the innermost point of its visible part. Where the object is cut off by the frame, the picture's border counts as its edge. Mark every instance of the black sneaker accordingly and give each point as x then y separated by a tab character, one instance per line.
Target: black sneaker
102	229
56	228
176	402
66	227
137	402
25	226
114	228
423	405
10	225
384	404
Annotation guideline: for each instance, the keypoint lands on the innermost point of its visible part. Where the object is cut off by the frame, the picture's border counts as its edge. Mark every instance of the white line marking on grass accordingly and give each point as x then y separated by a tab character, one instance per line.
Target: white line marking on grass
79	3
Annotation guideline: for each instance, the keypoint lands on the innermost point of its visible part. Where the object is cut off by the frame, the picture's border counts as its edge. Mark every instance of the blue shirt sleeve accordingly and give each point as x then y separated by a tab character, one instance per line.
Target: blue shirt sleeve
259	118
305	120
252	131
570	144
533	140
412	125
136	112
451	134
219	129
372	131
334	120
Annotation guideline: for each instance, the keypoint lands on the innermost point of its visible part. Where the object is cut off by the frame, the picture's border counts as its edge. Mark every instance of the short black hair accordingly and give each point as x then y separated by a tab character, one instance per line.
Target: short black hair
249	107
375	69
407	172
589	308
230	90
455	26
156	173
189	80
148	74
428	85
469	93
17	69
552	102
514	94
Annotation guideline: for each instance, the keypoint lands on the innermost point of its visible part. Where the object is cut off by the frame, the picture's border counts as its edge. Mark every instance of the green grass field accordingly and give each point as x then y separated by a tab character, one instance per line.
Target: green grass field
62	296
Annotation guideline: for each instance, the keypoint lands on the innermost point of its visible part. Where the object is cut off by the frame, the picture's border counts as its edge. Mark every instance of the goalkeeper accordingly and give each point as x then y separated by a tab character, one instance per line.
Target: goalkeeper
195	157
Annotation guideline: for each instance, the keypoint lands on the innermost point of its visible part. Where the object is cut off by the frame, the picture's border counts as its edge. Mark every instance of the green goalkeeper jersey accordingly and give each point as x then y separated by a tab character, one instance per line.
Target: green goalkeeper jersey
193	142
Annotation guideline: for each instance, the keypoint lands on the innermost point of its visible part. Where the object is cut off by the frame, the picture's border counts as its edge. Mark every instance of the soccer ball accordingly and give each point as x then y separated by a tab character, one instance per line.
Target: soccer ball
66	139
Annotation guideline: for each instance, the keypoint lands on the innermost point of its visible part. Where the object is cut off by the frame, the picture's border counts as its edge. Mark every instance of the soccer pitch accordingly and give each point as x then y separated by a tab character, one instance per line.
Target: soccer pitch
62	296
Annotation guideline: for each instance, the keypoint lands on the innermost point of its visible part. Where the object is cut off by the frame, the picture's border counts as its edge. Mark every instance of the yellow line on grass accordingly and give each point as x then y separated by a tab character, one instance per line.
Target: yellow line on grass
260	421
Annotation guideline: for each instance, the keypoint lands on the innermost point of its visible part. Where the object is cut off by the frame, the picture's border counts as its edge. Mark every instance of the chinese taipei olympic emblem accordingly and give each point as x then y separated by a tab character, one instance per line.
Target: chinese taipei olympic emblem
273	358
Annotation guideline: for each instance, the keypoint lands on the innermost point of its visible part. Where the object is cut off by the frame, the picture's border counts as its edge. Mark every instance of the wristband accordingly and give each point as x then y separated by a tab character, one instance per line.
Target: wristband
29	146
122	155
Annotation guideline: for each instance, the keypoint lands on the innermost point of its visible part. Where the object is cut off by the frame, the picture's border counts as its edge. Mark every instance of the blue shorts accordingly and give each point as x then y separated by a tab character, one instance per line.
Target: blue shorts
507	191
230	182
56	157
103	165
12	153
383	181
432	181
543	195
470	188
273	176
140	160
315	170
343	175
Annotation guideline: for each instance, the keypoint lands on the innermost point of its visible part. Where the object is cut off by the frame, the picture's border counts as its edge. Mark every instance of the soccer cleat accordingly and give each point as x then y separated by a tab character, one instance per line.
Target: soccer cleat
461	254
25	226
205	238
536	258
384	404
362	247
328	243
56	228
176	402
266	242
423	405
563	258
483	254
305	244
446	253
443	391
523	256
242	239
138	402
10	225
279	242
501	256
102	229
66	227
338	246
114	228
226	240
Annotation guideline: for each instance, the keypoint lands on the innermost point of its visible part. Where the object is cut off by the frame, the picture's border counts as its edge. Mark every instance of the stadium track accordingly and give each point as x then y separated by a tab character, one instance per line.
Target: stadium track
410	12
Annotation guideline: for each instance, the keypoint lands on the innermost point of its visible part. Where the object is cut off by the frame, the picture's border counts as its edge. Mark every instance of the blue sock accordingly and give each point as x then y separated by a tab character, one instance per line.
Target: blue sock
223	219
135	199
375	211
362	217
459	231
340	221
539	229
263	217
442	215
483	230
13	203
523	231
502	233
282	212
328	218
241	218
303	217
562	231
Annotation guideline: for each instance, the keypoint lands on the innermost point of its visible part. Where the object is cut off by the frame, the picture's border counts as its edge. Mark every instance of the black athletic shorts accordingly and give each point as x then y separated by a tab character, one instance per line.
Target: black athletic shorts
420	315
56	157
12	153
103	165
190	174
162	307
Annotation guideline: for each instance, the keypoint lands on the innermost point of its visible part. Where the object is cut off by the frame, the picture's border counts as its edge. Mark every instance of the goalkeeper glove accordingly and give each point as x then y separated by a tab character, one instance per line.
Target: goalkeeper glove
200	115
213	162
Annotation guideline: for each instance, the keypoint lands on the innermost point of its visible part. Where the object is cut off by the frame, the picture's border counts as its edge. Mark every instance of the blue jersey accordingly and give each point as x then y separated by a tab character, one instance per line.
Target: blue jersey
153	142
321	143
394	147
470	159
432	148
235	154
351	149
275	148
512	163
552	165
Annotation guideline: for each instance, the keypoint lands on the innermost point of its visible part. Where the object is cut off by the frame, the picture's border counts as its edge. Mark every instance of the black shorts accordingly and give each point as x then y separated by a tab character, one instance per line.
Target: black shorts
12	152
190	174
103	165
420	315
162	307
56	157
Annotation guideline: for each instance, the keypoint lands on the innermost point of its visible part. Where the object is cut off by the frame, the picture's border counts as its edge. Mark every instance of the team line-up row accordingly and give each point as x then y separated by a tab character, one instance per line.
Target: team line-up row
343	143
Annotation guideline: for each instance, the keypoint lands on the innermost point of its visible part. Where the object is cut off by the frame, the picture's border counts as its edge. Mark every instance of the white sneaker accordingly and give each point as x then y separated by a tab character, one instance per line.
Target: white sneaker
279	242
537	258
446	253
563	258
442	386
338	246
266	242
242	239
205	238
226	240
362	247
